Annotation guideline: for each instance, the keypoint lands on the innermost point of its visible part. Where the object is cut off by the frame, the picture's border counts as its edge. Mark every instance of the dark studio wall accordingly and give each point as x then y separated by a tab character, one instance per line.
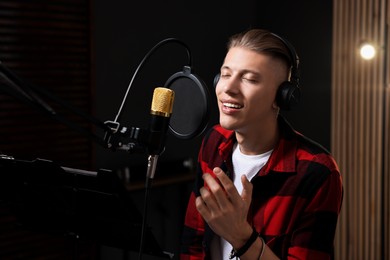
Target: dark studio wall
124	32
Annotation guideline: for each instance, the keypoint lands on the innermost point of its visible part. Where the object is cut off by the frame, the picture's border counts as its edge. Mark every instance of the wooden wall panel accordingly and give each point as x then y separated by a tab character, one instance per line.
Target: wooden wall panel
360	128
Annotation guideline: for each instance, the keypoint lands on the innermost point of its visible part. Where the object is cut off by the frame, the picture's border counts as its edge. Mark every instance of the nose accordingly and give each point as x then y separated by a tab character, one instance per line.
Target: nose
228	84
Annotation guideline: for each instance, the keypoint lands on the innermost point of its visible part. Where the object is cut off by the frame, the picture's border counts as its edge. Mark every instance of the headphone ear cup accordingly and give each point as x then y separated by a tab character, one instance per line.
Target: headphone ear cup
288	95
216	79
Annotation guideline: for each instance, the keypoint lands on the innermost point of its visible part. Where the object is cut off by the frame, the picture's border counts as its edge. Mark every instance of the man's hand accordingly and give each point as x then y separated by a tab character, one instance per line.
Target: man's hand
224	209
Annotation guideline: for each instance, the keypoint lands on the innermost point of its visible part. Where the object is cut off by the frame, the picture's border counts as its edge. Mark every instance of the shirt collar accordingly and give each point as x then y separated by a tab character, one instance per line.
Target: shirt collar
283	157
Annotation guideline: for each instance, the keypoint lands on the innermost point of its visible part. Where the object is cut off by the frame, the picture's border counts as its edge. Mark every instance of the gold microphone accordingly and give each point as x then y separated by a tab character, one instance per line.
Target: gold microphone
162	103
161	110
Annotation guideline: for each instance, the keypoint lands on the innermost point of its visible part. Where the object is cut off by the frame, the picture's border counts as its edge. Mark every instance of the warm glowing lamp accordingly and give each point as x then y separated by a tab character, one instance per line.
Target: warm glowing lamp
367	51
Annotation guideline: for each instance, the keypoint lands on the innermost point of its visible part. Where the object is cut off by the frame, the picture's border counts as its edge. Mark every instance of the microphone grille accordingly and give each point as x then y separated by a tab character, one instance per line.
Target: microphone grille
162	102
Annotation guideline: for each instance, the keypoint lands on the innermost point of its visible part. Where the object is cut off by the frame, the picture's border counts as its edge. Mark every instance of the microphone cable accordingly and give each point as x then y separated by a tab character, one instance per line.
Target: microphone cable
146	57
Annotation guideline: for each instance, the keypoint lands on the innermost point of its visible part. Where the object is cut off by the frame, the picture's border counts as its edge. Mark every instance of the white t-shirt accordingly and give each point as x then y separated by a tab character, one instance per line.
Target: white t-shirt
243	164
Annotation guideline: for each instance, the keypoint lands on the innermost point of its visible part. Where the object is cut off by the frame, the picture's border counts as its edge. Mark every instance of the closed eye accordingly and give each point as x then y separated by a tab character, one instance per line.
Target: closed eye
252	81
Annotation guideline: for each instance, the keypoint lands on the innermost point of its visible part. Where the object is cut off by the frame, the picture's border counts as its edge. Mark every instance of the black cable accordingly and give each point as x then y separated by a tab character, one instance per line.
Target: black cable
161	43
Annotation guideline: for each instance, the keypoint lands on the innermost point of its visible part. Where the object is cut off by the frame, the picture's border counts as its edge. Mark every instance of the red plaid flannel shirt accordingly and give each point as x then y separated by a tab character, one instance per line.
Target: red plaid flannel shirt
296	201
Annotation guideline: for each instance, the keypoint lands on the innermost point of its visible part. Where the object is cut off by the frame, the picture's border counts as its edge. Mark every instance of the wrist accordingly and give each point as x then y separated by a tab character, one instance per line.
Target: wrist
239	239
237	252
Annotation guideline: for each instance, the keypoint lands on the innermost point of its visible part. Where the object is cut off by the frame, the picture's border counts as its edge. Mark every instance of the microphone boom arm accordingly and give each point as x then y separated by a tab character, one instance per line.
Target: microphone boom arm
146	57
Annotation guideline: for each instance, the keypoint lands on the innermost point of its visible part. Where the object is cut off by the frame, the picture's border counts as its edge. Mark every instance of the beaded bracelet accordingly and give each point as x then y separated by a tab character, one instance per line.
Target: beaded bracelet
244	248
262	247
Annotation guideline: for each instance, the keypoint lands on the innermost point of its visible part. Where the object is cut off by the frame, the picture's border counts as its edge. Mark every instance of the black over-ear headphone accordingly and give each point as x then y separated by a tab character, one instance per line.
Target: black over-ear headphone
289	92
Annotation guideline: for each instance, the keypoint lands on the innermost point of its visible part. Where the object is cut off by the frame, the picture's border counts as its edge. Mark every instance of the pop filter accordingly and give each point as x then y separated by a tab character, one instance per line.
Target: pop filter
190	110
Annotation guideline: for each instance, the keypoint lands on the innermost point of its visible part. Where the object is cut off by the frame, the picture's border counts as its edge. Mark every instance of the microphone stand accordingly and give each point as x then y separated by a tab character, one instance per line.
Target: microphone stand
152	164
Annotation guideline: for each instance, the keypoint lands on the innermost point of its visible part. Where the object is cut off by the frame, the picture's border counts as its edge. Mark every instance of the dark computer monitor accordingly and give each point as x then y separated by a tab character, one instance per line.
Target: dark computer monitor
89	205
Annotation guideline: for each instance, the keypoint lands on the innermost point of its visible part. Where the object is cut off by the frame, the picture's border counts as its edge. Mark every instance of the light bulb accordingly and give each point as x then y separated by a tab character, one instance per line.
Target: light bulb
367	51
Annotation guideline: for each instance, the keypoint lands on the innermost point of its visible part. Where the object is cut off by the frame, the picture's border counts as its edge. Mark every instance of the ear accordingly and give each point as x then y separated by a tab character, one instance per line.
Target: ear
275	104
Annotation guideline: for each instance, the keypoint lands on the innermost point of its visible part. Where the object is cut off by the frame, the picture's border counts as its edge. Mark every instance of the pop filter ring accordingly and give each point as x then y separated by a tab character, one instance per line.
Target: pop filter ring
205	96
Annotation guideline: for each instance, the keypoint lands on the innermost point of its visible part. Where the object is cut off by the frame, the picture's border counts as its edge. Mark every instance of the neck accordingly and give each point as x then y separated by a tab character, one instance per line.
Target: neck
258	140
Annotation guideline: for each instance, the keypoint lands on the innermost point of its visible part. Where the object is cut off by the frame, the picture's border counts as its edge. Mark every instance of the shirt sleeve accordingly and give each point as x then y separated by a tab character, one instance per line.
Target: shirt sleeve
313	236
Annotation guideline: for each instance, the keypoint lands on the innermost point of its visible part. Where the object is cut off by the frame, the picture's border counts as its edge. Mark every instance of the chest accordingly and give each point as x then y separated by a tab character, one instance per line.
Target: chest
277	204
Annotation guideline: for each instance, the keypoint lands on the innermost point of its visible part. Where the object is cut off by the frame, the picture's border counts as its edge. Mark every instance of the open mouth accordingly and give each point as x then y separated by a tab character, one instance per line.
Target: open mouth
231	105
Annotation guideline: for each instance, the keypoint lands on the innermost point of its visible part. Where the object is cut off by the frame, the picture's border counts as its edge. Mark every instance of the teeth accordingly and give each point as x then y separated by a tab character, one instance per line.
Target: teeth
231	105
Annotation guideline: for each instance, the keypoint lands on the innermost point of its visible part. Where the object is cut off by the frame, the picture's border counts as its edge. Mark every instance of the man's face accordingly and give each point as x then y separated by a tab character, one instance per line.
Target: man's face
247	88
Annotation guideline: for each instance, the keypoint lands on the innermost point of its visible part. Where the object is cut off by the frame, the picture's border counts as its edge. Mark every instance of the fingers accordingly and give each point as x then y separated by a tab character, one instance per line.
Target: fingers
231	191
221	194
221	205
246	194
228	186
215	196
202	207
214	199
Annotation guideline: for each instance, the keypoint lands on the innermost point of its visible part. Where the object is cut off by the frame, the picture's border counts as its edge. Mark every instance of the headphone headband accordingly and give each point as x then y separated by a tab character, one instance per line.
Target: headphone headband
294	58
